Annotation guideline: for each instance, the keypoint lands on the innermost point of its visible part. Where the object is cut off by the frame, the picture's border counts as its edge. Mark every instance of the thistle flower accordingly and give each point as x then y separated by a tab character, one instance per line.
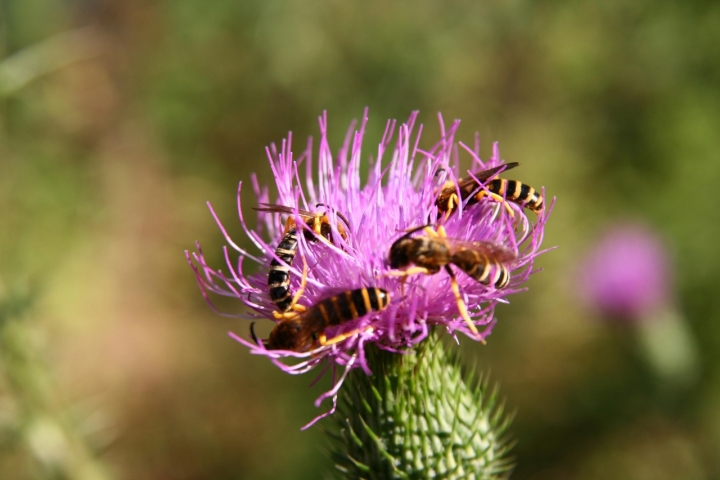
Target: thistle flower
626	275
399	193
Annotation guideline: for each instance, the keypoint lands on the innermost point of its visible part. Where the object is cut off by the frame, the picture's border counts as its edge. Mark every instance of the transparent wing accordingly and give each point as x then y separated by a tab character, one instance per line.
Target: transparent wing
468	184
276	208
496	252
485	174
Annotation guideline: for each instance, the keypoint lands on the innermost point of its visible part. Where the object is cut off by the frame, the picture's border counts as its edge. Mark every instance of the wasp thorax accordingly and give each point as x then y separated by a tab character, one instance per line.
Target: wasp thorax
320	224
430	252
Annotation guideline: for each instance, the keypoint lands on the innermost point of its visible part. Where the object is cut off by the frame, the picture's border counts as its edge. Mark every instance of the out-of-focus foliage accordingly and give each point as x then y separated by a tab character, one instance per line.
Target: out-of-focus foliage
110	146
34	420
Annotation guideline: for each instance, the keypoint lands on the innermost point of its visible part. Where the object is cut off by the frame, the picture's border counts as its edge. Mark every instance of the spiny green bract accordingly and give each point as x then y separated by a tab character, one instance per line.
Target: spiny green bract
415	417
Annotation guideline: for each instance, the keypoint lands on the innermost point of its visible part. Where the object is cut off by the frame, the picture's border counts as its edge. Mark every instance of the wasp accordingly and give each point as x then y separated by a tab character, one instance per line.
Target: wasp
484	261
303	330
279	274
499	189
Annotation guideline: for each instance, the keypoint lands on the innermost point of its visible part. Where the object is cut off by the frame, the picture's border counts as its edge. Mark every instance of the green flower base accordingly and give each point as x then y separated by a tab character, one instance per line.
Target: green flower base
416	417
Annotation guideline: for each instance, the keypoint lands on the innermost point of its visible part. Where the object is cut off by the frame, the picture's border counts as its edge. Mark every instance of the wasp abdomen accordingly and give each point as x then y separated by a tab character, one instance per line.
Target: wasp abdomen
304	330
279	276
347	306
503	277
517	192
287	247
481	268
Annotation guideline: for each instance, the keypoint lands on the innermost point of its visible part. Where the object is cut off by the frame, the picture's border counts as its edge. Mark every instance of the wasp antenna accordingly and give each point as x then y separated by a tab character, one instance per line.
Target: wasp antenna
252	333
342	217
415	229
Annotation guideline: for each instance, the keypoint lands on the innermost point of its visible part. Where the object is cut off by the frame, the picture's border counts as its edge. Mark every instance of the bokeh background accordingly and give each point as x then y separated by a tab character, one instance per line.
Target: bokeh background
118	120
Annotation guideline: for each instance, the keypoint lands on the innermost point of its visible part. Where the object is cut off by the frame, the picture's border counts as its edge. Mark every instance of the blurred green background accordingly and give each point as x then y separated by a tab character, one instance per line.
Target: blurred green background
118	120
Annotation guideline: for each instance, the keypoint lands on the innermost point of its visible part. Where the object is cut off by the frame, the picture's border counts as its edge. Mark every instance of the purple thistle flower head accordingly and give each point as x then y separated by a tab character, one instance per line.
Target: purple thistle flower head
362	221
626	274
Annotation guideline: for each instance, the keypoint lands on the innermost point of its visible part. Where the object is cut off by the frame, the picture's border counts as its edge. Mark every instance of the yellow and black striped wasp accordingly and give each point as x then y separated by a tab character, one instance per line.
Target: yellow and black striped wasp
279	274
484	261
301	331
499	189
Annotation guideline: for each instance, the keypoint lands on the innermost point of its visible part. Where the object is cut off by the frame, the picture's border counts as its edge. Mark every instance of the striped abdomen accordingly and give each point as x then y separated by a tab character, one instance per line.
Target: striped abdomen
481	268
516	192
344	307
279	276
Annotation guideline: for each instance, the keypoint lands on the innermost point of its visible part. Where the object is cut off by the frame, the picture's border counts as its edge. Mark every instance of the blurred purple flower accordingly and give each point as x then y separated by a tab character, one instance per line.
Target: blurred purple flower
396	196
626	275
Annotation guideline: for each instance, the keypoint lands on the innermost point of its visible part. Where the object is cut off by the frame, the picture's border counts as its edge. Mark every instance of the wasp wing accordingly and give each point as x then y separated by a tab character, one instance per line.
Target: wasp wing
468	184
485	174
277	208
494	251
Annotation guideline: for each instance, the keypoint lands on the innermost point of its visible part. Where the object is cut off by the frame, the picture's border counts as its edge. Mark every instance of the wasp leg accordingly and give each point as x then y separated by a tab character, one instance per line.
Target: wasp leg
432	233
404	274
317	225
439	233
317	228
303	283
408	272
289	315
497	198
453	202
324	341
289	225
461	304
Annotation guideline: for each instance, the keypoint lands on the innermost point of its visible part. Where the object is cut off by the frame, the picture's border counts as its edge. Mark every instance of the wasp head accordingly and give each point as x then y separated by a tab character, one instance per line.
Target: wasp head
287	335
400	252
